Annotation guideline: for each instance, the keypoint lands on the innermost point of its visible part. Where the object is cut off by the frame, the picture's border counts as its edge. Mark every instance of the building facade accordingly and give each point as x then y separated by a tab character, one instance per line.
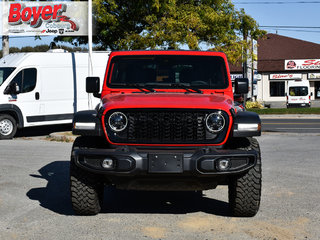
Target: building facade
281	59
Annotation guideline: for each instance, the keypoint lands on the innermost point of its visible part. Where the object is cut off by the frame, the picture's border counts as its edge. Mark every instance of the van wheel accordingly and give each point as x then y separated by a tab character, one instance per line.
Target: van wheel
8	126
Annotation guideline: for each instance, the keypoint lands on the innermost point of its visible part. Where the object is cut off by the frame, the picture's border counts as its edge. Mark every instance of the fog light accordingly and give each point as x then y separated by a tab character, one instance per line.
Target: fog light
107	163
223	164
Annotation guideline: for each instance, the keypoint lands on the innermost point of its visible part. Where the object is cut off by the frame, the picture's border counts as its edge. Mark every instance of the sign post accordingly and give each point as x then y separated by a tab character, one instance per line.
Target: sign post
90	67
90	38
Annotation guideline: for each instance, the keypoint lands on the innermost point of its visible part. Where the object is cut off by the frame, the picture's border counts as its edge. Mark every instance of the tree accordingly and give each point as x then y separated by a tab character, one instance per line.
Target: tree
152	24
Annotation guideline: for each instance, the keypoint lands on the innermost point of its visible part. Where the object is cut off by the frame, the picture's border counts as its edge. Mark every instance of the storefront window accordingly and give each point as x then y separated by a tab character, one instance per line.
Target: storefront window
277	89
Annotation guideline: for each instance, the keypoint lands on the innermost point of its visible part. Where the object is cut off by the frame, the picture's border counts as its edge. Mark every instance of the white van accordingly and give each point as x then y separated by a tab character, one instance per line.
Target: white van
298	93
45	88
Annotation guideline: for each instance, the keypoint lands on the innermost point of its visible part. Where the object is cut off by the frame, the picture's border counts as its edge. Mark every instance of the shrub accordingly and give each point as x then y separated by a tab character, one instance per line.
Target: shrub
256	104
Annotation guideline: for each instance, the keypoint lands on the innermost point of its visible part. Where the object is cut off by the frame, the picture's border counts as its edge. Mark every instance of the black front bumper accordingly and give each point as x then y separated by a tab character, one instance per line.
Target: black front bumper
130	161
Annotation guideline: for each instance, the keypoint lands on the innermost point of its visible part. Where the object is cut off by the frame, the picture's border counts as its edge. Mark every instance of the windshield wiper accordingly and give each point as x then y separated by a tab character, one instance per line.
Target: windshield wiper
141	87
186	87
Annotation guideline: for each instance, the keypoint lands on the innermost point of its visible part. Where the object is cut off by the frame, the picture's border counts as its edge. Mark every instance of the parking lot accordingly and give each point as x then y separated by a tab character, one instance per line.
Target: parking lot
34	199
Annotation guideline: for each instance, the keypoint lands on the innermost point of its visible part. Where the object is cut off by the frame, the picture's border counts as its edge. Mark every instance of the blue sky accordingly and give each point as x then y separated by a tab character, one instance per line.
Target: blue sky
306	15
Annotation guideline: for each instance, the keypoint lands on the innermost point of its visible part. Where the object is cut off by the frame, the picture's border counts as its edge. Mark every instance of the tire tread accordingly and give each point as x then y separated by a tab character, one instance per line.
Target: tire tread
85	187
245	191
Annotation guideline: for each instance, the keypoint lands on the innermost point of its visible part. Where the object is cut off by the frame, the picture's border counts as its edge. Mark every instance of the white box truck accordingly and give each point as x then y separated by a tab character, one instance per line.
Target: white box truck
45	88
298	93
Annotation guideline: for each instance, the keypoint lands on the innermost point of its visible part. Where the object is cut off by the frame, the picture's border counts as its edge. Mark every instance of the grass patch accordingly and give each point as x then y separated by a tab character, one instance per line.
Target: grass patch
59	139
286	110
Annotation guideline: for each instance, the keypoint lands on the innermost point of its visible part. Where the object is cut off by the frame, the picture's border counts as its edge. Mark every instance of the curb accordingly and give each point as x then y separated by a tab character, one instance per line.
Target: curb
289	134
290	116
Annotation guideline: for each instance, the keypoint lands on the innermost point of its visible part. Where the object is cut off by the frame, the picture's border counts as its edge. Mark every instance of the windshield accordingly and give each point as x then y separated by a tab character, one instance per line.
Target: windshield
298	91
4	73
207	72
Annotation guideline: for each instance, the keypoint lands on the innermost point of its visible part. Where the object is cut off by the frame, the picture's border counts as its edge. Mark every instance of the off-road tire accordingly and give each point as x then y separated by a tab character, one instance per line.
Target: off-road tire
86	188
10	125
245	190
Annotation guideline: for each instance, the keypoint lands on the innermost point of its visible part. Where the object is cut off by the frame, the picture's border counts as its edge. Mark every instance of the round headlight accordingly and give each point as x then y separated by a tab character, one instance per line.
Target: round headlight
118	121
215	122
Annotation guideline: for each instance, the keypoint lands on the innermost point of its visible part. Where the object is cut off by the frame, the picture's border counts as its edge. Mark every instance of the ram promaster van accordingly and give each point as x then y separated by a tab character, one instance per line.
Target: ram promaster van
298	93
45	88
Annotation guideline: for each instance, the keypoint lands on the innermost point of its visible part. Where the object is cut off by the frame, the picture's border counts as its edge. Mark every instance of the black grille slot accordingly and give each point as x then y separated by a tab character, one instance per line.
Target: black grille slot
164	126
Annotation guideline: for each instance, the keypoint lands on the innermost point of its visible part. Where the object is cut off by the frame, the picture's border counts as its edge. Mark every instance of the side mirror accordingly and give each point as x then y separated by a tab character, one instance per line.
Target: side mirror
311	94
12	88
93	86
241	86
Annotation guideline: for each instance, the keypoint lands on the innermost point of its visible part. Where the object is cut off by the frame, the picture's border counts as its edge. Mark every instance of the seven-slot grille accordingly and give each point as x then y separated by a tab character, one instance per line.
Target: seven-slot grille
163	126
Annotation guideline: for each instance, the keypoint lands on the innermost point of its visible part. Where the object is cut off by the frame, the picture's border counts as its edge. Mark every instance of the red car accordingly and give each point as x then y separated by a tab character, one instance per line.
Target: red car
166	122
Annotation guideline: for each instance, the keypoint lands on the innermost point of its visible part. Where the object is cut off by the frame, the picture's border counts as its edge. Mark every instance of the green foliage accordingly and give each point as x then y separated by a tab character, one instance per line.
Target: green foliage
160	24
286	110
256	105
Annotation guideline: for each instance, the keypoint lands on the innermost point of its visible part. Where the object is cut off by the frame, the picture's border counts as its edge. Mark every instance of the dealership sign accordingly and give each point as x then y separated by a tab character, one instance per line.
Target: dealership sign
45	18
285	76
303	64
313	75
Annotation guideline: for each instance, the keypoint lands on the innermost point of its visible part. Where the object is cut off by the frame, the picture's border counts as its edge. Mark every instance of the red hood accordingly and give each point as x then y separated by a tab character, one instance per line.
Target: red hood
167	100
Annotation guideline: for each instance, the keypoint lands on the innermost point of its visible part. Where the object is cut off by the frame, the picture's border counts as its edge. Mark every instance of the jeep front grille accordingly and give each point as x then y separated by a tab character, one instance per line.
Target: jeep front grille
165	126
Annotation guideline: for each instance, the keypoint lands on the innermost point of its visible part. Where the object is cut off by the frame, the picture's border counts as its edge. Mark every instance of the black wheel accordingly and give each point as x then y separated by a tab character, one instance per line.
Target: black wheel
8	126
245	190
86	188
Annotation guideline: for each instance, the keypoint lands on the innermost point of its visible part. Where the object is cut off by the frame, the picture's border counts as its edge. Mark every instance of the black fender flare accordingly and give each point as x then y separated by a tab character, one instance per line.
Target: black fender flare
250	119
11	108
87	117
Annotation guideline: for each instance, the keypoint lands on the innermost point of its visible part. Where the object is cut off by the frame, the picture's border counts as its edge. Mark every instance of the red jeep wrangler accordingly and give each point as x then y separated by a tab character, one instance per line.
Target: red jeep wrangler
166	122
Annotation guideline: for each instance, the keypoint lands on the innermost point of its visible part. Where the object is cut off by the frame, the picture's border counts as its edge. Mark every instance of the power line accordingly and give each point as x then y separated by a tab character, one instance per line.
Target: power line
298	27
280	2
293	30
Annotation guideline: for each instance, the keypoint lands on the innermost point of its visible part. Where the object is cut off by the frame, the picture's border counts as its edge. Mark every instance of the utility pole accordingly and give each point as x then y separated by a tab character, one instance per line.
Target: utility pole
244	57
5	38
5	45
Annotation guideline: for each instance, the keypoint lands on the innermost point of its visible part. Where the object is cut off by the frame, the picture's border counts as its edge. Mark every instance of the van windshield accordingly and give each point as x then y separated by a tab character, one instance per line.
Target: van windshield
168	71
298	91
4	73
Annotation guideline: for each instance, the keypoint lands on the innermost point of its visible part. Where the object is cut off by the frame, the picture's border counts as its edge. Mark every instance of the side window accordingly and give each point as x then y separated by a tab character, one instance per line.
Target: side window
26	79
18	79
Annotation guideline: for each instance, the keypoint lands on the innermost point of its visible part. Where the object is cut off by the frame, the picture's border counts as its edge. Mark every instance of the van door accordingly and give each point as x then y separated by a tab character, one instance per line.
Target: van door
59	95
27	97
317	90
299	95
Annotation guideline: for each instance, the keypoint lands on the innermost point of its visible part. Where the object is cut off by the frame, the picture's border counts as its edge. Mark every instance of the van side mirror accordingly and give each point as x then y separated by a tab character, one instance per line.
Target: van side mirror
241	85
12	88
311	94
93	86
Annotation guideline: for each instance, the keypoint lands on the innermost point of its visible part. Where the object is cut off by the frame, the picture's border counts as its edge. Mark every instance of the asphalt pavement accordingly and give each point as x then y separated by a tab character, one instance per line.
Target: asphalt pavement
295	125
35	202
